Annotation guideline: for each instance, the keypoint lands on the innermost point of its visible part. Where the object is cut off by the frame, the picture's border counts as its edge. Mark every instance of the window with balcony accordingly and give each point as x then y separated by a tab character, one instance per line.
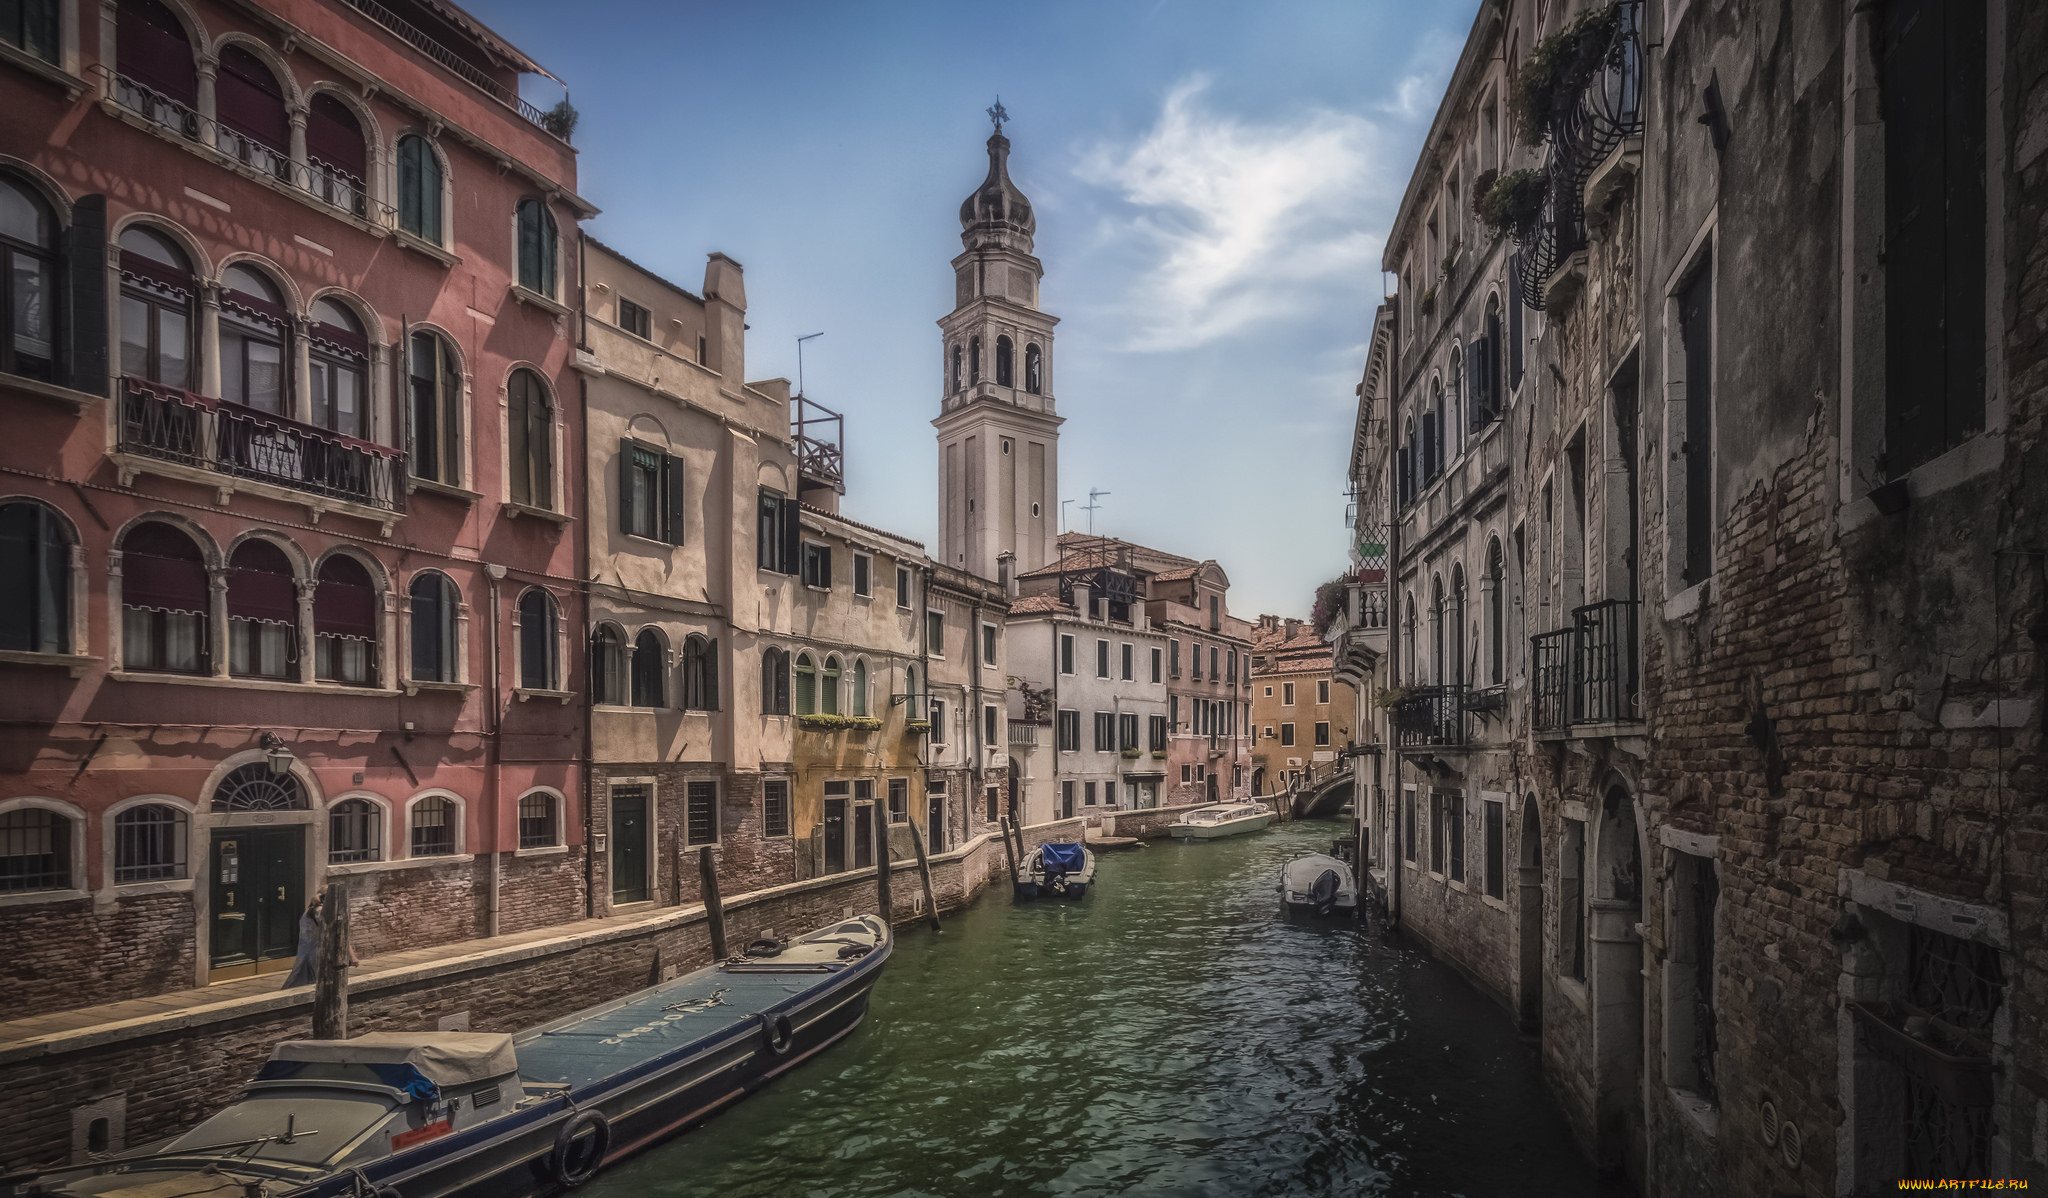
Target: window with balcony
255	328
420	184
700	673
345	623
337	155
157	74
165	602
434	602
650	669
28	260
338	354
156	309
538	247
31	26
263	612
538	667
774	681
249	107
530	440
435	379
35	579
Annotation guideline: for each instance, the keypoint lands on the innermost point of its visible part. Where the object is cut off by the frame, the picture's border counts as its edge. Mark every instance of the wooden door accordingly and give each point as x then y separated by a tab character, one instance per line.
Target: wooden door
256	878
629	845
835	836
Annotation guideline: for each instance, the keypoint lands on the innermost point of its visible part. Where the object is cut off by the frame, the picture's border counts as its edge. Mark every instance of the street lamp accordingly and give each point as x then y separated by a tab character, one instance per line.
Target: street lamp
277	754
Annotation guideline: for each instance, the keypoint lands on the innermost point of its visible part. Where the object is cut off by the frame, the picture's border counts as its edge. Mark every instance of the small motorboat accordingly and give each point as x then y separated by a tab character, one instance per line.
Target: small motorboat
496	1115
1223	819
1058	868
1319	884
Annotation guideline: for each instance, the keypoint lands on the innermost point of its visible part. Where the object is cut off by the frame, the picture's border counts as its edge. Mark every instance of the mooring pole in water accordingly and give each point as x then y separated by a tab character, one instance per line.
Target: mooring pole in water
714	907
885	897
1009	854
924	872
330	973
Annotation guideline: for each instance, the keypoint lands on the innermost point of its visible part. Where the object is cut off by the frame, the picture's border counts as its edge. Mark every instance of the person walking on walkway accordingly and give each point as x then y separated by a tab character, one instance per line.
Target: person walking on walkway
307	963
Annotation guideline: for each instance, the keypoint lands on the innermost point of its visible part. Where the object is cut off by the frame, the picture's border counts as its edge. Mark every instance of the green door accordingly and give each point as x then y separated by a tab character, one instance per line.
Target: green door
629	844
258	890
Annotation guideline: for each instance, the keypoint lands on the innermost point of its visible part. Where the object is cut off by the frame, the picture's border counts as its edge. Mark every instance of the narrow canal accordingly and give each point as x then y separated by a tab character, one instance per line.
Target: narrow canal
1170	1034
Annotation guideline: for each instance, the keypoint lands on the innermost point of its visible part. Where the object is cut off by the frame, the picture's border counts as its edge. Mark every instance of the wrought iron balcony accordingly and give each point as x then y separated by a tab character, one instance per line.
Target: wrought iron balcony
1431	715
1587	673
229	439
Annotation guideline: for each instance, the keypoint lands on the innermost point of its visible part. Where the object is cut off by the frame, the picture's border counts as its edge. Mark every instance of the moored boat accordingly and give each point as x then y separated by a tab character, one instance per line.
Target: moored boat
441	1114
1222	819
1319	884
1057	868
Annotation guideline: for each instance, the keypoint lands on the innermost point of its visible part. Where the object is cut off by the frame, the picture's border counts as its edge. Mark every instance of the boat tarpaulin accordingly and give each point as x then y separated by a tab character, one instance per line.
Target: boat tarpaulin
416	1062
1061	858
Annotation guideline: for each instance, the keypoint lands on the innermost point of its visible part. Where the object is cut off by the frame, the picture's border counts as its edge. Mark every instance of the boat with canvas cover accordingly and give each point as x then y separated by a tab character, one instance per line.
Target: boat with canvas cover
1222	819
1318	884
440	1114
1057	868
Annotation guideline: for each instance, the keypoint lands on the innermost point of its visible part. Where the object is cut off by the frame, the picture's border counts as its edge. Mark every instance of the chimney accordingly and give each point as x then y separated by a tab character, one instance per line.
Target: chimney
1293	628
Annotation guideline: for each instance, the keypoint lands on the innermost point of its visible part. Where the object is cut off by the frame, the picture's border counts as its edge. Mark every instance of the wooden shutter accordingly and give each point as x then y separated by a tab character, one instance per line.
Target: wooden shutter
1475	384
540	442
334	137
1695	317
248	100
626	487
85	261
151	48
792	536
518	436
672	492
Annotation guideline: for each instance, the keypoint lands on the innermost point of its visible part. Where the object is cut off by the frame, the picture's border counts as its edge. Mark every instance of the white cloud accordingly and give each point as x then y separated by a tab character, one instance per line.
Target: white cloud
1237	222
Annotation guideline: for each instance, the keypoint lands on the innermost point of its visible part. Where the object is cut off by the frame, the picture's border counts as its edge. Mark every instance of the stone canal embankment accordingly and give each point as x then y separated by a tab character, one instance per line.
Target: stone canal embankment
154	1066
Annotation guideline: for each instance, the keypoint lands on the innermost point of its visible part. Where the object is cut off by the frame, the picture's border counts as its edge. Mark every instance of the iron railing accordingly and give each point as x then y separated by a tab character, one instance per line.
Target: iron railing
412	36
196	430
1431	715
1588	673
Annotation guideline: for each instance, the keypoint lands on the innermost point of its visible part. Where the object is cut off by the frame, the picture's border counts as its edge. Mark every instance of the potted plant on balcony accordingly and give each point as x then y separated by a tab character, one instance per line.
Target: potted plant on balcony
1159	753
1132	754
1514	201
916	727
1427	304
1557	69
1392	696
819	722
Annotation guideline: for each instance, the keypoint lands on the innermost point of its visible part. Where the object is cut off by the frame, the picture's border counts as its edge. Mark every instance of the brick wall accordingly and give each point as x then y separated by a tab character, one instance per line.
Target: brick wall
62	955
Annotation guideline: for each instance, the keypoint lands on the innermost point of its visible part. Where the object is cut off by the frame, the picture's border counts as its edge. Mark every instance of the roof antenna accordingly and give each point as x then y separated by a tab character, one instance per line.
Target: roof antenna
1090	506
997	115
800	359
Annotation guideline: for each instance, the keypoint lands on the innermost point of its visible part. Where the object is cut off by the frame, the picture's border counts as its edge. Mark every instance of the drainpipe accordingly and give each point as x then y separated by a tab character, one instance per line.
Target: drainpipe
980	750
493	754
583	585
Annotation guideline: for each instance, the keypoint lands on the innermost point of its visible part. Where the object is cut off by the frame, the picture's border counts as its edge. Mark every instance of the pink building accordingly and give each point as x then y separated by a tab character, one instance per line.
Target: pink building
288	580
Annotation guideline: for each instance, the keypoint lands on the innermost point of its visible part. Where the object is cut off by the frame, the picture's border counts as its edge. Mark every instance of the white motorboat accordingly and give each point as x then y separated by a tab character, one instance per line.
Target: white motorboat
1319	884
1223	819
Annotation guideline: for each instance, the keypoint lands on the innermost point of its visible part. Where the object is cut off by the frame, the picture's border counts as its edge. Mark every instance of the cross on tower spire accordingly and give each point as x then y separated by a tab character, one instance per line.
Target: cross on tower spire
998	115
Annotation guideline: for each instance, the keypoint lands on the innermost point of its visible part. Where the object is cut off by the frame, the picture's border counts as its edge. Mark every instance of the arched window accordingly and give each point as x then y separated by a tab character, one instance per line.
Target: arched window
254	324
433	827
249	106
955	387
774	681
1491	362
263	612
1410	666
607	666
31	25
537	641
435	381
355	832
156	74
806	685
28	260
860	688
650	664
345	623
156	332
530	439
538	826
1433	434
165	601
700	674
419	188
339	353
1495	600
1005	377
35	580
35	850
973	361
1457	638
434	604
1436	631
1404	466
536	246
253	787
337	154
828	687
1454	411
1034	370
149	844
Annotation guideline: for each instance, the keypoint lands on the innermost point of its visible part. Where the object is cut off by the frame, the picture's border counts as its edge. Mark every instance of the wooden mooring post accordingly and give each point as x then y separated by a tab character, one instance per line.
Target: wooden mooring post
330	973
924	873
1009	854
714	907
885	897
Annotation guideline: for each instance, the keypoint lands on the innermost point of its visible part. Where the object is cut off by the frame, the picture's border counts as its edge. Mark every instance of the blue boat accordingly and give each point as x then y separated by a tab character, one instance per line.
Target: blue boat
445	1114
1057	868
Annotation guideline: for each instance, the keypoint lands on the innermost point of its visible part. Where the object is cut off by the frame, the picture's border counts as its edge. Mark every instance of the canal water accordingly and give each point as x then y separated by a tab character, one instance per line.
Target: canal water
1169	1034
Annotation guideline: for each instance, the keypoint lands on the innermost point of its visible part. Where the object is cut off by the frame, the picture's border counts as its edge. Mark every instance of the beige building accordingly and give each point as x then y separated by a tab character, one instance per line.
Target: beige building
1302	715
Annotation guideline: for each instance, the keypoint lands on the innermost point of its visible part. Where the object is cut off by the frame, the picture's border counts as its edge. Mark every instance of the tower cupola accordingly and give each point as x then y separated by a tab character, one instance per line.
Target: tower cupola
997	214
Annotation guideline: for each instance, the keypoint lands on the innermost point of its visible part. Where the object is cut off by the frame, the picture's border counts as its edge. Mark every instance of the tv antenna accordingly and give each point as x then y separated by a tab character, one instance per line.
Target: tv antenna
1090	506
800	359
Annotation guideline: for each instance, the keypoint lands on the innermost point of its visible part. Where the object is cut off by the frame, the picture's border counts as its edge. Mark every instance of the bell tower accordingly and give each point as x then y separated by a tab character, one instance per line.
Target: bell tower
998	428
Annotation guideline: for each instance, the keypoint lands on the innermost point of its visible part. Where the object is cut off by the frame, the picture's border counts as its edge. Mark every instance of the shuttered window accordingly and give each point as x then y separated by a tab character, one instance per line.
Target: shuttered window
530	440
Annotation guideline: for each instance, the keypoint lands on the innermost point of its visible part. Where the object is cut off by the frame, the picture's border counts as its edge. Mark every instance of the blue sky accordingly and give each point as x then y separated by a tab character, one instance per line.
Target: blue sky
1213	182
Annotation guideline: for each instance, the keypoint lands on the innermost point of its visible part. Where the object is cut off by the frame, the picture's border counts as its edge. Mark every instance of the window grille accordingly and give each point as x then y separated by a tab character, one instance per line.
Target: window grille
433	827
775	807
35	851
254	788
702	812
149	844
354	832
537	821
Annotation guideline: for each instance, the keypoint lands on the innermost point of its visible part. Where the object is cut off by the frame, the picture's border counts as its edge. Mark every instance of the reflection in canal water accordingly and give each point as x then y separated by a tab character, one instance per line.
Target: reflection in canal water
1171	1034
